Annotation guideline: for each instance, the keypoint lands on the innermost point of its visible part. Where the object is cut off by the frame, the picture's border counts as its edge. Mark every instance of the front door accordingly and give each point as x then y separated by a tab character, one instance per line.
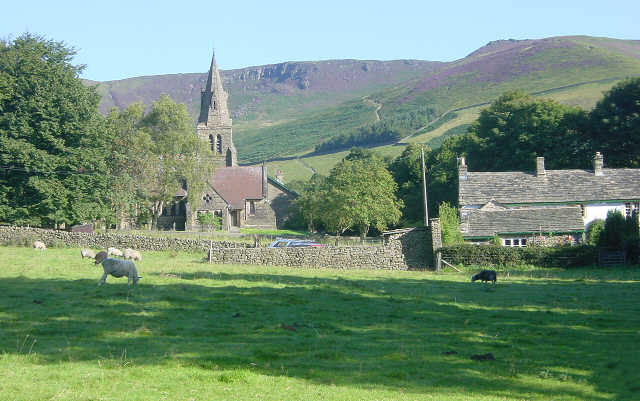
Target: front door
235	221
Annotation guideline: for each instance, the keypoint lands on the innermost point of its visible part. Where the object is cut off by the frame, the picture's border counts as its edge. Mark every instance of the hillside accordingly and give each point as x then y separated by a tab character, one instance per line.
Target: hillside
282	111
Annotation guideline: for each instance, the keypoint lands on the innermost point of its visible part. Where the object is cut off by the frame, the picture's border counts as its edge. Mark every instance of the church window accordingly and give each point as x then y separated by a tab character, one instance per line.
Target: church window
219	144
213	146
214	105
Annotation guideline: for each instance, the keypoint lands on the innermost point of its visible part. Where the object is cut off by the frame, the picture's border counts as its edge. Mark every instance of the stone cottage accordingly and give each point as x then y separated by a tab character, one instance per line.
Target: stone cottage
518	206
242	196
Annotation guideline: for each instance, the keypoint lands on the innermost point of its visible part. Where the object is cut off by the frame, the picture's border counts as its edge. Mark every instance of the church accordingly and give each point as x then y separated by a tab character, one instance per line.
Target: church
242	196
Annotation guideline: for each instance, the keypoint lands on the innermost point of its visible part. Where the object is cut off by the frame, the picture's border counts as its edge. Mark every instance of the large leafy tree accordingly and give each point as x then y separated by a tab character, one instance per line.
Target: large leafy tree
312	195
179	156
49	136
129	154
516	128
615	125
407	172
361	194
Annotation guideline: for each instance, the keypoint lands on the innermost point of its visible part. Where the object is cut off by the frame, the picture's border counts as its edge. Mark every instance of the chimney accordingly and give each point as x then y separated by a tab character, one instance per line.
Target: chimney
598	164
540	171
280	177
462	168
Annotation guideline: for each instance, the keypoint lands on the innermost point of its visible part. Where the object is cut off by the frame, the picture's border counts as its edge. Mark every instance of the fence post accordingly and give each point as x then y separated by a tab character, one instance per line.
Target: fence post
438	261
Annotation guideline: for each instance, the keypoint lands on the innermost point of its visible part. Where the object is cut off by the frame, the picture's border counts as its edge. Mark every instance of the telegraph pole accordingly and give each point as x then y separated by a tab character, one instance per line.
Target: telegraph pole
424	189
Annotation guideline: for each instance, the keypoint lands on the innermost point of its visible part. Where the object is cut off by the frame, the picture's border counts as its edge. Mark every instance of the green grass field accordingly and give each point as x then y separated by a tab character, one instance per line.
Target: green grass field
194	331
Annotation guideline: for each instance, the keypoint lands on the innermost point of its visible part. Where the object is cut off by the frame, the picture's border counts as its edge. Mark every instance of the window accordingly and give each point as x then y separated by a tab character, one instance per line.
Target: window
219	143
582	210
630	208
515	242
211	142
252	208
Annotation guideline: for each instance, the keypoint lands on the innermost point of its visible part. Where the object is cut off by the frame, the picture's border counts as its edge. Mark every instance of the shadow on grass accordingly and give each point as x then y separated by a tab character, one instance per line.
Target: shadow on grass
390	332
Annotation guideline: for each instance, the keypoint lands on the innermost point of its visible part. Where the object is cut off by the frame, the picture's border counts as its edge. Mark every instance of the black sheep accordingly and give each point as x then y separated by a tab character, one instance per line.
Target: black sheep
485	275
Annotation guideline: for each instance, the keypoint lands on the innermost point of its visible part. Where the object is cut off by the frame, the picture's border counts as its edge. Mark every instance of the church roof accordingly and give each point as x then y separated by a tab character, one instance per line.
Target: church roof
237	184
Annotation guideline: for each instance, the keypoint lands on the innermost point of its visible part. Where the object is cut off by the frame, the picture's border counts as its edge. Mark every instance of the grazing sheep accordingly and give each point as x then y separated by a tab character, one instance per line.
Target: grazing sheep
132	254
485	275
102	255
87	253
119	268
114	252
40	246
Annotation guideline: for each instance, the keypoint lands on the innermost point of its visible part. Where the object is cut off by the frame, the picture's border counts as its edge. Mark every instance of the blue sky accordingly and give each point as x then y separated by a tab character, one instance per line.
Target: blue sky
122	39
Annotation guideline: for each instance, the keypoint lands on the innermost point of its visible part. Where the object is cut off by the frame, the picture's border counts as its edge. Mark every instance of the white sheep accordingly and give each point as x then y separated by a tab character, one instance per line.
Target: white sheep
87	253
119	268
40	246
114	252
132	254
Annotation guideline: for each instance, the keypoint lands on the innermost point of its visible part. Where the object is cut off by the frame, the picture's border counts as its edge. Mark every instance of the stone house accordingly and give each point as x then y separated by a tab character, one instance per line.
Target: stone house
242	196
521	206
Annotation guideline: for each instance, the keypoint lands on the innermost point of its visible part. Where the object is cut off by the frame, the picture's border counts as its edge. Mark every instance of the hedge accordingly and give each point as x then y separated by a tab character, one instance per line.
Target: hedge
468	254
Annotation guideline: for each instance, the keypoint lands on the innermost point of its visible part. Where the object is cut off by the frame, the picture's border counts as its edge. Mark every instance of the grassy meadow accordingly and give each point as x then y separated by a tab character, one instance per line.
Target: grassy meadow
194	331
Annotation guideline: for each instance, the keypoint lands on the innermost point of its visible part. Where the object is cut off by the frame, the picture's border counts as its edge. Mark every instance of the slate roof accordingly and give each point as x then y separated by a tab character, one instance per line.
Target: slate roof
237	184
562	186
487	222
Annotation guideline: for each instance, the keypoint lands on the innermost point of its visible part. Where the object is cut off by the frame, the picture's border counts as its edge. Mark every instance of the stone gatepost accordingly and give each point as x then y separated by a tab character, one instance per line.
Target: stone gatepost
436	242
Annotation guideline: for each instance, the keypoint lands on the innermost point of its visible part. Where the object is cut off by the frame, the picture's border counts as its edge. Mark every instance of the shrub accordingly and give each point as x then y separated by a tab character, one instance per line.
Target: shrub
210	221
468	254
620	232
594	230
450	224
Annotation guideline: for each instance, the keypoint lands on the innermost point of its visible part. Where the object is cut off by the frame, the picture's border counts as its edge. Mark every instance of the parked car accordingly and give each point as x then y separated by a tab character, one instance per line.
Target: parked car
293	243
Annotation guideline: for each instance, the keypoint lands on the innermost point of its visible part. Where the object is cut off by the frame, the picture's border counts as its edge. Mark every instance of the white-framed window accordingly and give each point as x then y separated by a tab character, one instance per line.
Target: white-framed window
514	242
630	208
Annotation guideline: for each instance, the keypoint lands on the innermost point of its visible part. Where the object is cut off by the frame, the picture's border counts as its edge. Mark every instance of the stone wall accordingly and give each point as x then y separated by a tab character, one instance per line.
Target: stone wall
11	234
402	250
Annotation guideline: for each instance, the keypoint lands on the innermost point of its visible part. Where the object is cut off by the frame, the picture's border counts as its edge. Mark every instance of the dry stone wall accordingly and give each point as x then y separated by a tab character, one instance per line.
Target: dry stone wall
11	234
402	249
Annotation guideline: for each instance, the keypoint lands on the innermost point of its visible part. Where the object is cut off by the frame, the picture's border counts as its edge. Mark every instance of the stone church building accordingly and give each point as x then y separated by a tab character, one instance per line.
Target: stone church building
242	196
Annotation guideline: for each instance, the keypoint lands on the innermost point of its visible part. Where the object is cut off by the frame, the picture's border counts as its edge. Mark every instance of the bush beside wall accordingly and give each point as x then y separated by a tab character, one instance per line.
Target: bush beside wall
467	254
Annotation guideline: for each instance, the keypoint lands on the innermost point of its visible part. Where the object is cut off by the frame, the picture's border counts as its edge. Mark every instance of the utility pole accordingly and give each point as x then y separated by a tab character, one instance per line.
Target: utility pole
424	189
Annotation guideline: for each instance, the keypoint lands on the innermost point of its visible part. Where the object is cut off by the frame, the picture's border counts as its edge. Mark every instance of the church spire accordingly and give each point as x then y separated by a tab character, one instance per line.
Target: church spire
214	123
214	99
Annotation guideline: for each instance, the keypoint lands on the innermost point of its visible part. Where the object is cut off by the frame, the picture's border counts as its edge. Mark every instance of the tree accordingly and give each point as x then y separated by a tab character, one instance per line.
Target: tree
180	157
361	194
615	125
407	172
311	197
450	224
129	154
50	136
517	127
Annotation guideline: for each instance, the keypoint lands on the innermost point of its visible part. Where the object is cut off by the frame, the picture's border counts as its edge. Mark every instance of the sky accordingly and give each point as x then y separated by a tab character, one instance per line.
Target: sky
123	39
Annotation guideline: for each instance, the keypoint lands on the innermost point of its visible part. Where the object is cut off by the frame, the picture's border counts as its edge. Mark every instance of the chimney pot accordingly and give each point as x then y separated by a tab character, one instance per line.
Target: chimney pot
598	164
462	168
540	171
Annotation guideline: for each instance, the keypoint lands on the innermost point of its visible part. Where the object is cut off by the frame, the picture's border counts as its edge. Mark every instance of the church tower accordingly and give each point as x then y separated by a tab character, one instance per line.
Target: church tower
214	123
